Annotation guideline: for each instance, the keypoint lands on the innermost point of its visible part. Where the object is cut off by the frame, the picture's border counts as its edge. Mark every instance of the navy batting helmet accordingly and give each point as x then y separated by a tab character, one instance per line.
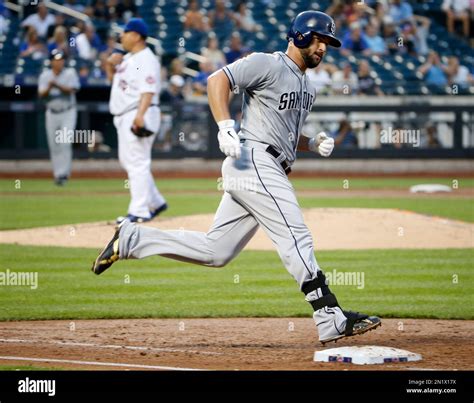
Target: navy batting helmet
308	23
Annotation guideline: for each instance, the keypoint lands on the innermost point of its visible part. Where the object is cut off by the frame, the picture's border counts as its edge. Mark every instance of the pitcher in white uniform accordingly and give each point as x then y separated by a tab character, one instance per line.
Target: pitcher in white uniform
134	103
257	192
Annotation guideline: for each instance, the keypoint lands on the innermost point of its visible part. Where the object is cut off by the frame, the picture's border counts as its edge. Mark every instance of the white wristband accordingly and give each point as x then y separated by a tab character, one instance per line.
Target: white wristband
312	144
224	124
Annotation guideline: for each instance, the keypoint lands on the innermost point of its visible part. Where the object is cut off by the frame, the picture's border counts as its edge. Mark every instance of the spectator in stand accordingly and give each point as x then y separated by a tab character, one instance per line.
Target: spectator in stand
40	21
354	41
59	20
107	52
433	70
336	11
200	81
126	9
213	53
391	36
59	41
32	47
101	11
375	42
344	136
320	79
173	94
88	43
458	74
367	85
430	138
220	19
243	18
400	11
458	10
345	81
416	33
176	67
236	50
194	18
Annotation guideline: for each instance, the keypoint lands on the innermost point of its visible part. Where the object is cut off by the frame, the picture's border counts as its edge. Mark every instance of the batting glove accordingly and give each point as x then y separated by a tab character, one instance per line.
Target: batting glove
322	144
229	141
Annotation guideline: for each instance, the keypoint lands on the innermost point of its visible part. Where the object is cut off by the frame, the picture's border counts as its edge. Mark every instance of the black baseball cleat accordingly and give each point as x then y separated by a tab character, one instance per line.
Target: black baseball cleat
159	210
356	324
108	256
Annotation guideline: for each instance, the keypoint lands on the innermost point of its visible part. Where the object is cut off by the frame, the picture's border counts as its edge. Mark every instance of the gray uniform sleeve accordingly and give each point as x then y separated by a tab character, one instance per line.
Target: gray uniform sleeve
73	79
250	72
43	81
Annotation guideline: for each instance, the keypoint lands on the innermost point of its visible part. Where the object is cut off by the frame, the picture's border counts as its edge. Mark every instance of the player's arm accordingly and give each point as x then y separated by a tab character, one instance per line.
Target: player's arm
143	105
44	92
64	89
112	61
321	144
44	86
218	92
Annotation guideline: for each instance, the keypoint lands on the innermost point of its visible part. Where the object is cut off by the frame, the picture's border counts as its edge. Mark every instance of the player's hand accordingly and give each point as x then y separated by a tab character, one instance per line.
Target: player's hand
326	144
115	58
138	122
229	141
322	144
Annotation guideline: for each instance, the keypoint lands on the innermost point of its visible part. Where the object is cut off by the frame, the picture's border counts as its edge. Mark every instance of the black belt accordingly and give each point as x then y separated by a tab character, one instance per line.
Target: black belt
60	110
284	164
273	152
132	109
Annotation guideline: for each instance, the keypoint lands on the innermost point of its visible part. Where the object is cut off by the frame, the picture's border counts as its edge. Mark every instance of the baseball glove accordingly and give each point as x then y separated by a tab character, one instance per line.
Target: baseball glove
141	131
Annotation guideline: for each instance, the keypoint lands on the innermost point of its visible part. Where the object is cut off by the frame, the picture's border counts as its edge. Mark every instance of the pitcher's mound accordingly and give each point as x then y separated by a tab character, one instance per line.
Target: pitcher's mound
332	228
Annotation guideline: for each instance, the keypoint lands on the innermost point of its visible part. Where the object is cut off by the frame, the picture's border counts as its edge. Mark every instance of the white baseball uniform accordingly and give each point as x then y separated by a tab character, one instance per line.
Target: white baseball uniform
61	115
138	73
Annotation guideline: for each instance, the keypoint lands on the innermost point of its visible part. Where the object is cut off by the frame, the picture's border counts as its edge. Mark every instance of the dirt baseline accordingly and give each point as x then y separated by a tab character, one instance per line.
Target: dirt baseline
332	228
223	344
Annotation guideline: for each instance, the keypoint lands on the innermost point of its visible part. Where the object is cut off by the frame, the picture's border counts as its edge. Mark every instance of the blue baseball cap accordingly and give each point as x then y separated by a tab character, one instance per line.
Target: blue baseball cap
137	25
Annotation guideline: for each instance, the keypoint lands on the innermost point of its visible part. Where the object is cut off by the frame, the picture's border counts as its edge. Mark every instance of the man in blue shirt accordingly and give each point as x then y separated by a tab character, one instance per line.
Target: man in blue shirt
401	12
354	41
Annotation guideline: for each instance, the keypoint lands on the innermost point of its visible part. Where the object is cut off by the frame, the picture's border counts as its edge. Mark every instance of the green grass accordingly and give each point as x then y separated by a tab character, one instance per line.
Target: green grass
398	283
28	368
118	185
39	203
458	209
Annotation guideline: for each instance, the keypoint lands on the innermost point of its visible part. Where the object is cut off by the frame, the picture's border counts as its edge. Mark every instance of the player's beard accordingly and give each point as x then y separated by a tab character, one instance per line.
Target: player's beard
311	60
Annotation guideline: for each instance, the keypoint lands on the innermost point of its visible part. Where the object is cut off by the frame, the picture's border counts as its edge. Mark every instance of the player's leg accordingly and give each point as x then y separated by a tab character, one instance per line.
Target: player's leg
55	144
233	227
156	201
135	158
275	207
69	119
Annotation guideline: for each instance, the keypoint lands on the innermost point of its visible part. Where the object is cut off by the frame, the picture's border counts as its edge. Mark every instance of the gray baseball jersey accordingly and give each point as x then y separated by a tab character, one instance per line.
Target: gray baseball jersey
61	115
57	100
277	99
257	192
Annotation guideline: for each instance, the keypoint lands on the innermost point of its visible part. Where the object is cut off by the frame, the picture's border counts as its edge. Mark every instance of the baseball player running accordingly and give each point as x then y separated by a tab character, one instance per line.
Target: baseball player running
134	104
277	99
58	86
